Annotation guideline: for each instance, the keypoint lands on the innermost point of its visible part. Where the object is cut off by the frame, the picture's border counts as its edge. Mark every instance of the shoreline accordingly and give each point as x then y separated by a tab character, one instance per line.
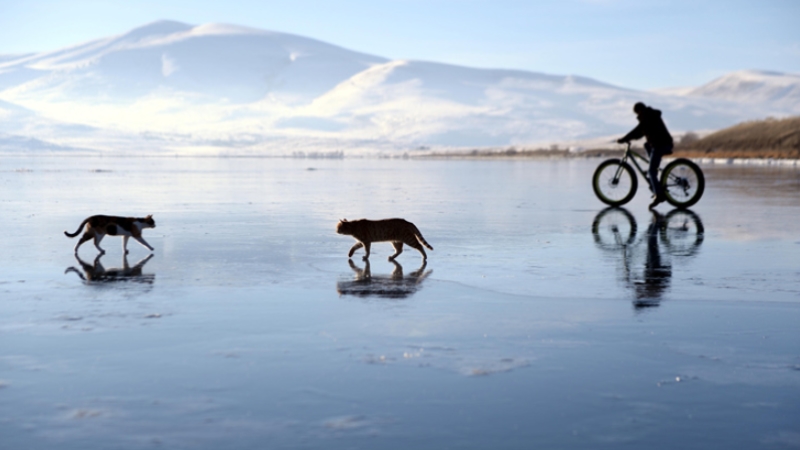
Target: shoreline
721	158
487	155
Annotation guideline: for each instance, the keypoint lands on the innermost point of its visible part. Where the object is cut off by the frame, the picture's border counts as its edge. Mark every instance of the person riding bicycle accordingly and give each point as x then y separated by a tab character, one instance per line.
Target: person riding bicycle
659	143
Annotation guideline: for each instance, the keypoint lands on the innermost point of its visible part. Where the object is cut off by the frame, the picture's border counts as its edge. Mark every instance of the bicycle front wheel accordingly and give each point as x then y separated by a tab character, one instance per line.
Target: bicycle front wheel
683	183
613	229
614	182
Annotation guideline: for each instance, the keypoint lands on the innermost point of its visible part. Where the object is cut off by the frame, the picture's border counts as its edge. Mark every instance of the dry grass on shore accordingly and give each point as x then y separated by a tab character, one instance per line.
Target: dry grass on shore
762	139
771	138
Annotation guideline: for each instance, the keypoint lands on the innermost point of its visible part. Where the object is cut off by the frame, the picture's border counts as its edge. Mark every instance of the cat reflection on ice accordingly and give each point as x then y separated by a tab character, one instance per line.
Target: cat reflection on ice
395	285
96	273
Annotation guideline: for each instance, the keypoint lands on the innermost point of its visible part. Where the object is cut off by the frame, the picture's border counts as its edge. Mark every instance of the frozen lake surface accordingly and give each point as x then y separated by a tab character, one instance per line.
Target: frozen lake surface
540	320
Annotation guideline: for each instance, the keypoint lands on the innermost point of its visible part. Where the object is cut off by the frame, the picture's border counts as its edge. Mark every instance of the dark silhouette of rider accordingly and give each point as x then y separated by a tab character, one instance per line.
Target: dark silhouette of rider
657	274
659	143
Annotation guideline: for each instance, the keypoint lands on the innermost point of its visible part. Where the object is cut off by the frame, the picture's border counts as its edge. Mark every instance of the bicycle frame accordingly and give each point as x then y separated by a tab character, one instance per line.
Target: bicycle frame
633	155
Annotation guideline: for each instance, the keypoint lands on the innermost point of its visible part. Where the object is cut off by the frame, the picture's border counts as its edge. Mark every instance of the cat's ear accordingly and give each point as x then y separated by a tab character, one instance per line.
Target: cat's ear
343	220
149	216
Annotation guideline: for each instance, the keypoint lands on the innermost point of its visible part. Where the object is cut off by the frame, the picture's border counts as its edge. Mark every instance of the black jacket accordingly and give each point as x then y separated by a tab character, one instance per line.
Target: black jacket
652	127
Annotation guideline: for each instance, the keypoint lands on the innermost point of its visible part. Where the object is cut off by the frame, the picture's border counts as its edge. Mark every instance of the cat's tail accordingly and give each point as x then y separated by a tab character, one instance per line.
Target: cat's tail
80	227
422	240
72	269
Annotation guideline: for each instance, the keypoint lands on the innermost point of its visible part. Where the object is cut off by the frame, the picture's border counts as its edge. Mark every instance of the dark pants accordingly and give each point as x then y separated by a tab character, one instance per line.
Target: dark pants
655	153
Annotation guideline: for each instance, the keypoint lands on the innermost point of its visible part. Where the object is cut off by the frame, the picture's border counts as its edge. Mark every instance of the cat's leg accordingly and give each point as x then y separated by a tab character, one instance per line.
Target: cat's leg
367	271
98	237
84	238
417	273
397	273
366	249
359	273
141	263
141	240
398	248
353	249
125	244
418	246
97	268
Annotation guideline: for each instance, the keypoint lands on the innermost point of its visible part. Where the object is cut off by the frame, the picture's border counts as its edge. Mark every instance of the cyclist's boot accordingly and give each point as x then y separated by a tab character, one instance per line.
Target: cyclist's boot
658	220
657	201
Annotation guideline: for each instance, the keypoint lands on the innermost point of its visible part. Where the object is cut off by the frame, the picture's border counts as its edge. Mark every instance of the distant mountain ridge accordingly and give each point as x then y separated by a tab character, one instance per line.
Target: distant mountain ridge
222	61
754	86
170	86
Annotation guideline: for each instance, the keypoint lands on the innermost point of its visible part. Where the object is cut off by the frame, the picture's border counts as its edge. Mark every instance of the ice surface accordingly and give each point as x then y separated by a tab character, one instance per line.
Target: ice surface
540	319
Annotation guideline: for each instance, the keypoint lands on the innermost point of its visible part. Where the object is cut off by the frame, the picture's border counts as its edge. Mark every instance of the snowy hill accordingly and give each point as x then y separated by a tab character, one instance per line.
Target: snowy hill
752	86
438	104
224	88
213	61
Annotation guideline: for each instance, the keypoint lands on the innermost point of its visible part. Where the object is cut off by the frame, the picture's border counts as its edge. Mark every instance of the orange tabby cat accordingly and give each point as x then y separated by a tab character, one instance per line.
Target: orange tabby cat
397	231
97	227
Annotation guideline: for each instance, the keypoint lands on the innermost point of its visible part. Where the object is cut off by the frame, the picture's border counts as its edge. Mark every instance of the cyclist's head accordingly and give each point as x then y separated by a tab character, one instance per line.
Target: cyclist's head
639	107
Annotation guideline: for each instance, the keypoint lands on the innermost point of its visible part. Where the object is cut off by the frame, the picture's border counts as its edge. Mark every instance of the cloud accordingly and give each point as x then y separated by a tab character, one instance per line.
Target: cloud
168	65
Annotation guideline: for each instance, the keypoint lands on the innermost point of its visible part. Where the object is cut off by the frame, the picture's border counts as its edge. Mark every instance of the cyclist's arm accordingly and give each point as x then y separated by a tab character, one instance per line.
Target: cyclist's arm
636	133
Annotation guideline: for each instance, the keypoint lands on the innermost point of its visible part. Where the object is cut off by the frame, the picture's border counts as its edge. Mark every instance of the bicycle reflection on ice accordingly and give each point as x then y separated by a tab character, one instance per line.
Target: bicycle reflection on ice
644	268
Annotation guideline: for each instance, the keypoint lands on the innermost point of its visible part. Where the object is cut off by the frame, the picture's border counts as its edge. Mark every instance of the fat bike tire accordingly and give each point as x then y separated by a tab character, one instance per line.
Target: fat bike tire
614	182
614	228
683	183
682	232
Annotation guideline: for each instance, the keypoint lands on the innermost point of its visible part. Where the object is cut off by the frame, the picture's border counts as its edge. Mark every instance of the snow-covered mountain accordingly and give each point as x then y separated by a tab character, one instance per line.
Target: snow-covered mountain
752	86
212	61
173	86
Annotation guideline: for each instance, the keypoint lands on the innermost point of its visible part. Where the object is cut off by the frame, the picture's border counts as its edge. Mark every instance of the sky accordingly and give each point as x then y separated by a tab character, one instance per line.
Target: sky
634	44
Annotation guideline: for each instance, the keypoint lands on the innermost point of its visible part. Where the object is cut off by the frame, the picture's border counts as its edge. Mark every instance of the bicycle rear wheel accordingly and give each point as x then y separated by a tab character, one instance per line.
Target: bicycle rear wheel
683	183
614	182
682	233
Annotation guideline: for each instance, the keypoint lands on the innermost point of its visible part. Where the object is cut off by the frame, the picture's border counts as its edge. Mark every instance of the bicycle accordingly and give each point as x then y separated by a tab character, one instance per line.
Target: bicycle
615	181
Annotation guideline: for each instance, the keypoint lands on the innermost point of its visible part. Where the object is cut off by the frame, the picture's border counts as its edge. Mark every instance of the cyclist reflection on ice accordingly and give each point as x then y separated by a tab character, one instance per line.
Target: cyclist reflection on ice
657	273
646	260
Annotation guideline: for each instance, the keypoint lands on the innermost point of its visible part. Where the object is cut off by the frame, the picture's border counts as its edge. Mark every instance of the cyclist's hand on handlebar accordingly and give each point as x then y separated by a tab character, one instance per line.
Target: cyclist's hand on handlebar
621	141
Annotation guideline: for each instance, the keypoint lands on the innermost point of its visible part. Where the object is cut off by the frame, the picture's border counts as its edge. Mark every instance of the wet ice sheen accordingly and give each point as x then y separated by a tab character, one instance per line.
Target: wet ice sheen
540	320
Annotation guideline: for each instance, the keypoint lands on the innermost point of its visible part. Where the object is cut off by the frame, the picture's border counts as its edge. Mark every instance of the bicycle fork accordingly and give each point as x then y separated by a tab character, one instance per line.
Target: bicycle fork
618	173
